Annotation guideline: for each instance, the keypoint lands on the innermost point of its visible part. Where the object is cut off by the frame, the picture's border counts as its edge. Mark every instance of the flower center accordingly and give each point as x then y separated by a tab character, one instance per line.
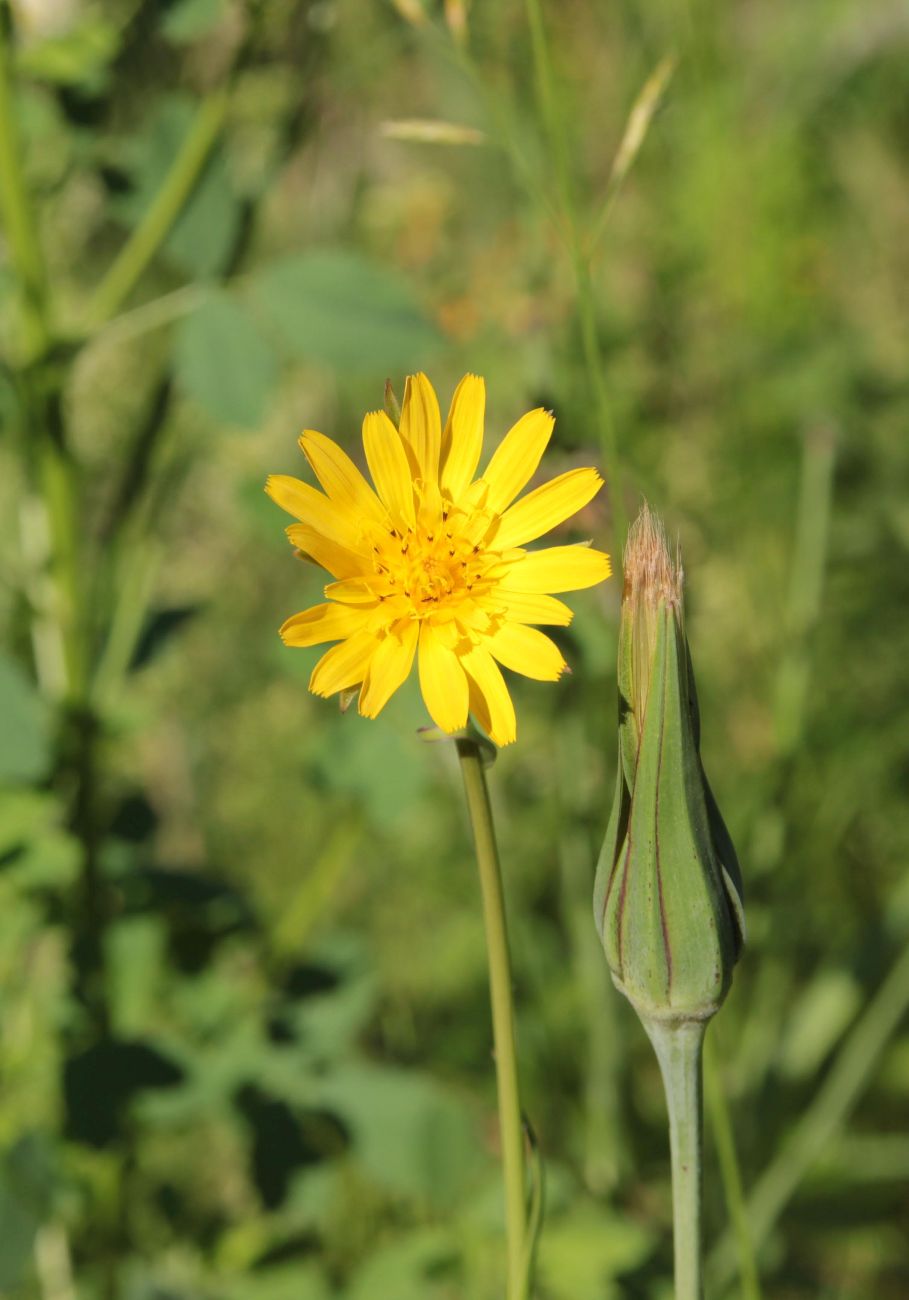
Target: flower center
430	568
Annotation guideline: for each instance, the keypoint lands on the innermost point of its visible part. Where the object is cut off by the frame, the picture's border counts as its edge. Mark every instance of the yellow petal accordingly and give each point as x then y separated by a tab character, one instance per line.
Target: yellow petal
315	510
517	457
321	623
526	607
351	591
546	507
462	441
557	568
471	617
338	560
339	476
527	651
389	667
344	665
442	681
388	465
421	427
490	702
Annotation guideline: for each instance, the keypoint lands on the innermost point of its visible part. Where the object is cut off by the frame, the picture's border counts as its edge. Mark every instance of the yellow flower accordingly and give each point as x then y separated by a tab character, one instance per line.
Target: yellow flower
434	560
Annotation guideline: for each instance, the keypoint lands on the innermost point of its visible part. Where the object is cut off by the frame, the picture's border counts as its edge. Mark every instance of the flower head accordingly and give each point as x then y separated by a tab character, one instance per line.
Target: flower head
432	562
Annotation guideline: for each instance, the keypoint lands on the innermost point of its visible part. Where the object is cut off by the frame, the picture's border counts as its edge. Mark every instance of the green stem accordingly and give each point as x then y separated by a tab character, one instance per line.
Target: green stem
678	1045
18	218
503	1033
724	1140
548	105
165	208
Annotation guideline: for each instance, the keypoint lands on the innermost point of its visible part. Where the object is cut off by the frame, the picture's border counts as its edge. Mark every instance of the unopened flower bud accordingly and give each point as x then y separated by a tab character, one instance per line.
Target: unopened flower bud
668	894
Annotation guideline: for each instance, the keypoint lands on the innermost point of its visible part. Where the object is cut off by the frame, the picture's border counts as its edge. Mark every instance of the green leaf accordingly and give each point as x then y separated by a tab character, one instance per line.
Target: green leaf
341	309
580	1254
224	362
294	1281
25	741
411	1135
417	1266
36	850
371	762
26	1182
203	234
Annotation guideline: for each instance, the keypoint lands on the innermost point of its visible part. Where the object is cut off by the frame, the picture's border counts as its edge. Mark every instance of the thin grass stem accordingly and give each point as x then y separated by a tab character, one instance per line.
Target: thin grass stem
168	203
806	588
18	218
591	349
724	1141
832	1103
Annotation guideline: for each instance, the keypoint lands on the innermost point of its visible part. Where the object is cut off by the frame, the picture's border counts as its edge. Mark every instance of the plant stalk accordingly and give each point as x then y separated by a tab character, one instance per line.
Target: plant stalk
16	208
678	1045
165	208
503	1031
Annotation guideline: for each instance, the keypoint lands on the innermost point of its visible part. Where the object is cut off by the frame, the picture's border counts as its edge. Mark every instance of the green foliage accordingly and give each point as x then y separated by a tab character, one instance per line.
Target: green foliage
225	362
245	1048
203	234
25	740
342	309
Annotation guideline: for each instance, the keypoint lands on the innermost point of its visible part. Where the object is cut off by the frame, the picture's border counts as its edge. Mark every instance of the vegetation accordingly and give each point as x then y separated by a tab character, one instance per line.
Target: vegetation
244	1030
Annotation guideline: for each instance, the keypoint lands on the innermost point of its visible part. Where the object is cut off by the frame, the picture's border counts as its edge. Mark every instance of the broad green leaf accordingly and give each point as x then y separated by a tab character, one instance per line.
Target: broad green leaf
25	742
346	311
411	1135
225	363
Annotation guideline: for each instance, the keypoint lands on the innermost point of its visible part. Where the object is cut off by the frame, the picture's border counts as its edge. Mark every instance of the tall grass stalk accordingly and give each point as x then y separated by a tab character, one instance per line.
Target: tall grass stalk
165	208
594	362
18	217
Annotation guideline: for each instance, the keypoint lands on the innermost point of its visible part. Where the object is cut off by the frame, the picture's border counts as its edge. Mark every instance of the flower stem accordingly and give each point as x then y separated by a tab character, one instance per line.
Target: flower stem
678	1045
503	1034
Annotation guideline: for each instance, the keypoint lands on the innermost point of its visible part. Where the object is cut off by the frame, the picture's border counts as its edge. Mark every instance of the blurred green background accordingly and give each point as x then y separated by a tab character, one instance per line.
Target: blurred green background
244	1030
